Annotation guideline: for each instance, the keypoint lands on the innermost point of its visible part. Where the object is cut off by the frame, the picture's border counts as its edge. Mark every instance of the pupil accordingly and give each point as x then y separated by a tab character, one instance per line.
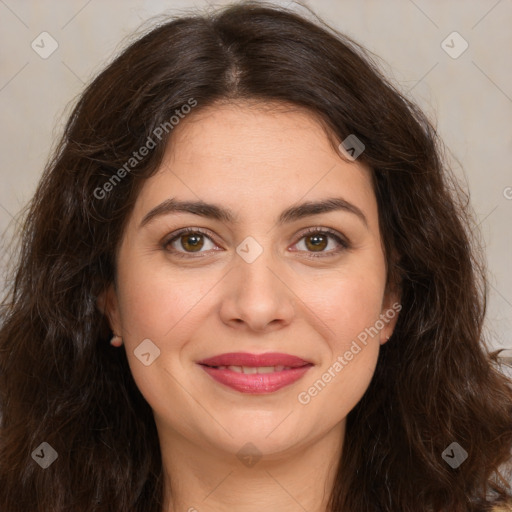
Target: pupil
196	241
317	241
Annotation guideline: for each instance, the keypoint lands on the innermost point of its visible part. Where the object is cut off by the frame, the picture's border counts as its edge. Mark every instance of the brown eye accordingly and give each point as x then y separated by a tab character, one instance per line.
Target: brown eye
317	242
188	241
192	242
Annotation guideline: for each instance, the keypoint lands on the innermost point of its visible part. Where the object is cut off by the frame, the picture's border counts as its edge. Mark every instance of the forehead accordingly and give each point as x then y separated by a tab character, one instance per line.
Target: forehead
254	156
250	132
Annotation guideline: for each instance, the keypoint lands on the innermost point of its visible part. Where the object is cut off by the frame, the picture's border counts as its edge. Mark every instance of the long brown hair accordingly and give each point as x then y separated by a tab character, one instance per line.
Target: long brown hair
63	384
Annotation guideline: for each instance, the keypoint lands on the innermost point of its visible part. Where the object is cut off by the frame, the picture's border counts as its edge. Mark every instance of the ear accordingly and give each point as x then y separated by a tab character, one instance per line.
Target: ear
391	308
108	304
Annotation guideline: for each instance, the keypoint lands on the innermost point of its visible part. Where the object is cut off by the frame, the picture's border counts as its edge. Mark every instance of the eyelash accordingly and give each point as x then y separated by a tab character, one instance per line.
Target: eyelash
315	230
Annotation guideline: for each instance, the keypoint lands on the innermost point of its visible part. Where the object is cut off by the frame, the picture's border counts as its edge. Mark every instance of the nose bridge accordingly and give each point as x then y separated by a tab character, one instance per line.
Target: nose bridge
257	295
256	259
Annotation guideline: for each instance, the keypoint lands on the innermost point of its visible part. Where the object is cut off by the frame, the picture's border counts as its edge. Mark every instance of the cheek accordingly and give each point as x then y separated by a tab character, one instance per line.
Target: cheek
349	308
340	384
347	302
168	310
154	301
349	354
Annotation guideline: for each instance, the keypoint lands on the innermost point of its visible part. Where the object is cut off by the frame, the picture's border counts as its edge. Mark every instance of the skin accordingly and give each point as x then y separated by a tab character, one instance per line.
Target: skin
257	162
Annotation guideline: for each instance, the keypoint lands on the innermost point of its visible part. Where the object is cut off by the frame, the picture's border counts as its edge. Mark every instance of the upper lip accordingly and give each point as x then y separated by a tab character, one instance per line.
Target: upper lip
253	360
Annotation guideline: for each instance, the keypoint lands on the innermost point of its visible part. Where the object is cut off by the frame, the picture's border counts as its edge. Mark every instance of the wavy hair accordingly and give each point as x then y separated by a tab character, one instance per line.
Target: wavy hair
62	383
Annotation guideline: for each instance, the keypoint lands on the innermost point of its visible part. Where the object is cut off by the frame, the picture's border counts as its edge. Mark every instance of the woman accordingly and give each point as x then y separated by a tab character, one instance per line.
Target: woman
322	351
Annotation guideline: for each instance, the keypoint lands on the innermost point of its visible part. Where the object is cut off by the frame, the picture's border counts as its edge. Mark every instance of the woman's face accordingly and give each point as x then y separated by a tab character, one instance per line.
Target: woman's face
252	281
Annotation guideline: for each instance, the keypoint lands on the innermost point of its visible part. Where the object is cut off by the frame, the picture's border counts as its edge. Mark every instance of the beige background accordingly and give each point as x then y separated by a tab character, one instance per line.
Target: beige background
470	96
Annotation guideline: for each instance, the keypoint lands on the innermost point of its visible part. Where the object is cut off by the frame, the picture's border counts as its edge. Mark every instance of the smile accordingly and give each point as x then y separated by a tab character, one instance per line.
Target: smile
256	374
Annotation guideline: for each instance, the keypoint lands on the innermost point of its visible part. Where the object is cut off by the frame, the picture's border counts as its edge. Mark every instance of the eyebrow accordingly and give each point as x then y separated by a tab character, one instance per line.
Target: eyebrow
213	211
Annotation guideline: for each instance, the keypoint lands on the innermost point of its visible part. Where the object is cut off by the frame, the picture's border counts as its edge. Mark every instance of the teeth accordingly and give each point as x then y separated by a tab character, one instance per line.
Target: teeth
247	369
255	369
269	369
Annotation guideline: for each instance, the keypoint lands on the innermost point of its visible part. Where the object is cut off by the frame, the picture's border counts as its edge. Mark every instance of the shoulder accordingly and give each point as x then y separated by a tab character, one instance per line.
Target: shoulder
502	508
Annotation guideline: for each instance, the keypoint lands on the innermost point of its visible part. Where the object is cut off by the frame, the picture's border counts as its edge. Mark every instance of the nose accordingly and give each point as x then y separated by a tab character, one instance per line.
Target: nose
257	296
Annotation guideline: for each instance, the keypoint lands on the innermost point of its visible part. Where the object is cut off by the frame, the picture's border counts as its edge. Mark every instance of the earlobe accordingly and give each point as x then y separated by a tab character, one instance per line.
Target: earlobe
389	317
385	338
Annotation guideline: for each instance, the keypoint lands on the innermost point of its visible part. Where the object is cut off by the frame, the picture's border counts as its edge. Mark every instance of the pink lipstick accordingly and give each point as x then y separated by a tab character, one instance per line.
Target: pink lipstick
255	373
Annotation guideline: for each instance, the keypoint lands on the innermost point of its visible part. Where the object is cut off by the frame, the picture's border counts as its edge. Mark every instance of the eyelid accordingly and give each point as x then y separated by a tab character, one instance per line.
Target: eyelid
176	234
340	239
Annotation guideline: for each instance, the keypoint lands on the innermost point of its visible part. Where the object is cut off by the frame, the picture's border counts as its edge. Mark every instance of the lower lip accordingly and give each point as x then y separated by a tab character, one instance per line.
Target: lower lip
256	382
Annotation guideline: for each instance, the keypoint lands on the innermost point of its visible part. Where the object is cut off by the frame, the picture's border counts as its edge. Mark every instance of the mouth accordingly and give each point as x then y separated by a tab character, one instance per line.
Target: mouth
255	374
